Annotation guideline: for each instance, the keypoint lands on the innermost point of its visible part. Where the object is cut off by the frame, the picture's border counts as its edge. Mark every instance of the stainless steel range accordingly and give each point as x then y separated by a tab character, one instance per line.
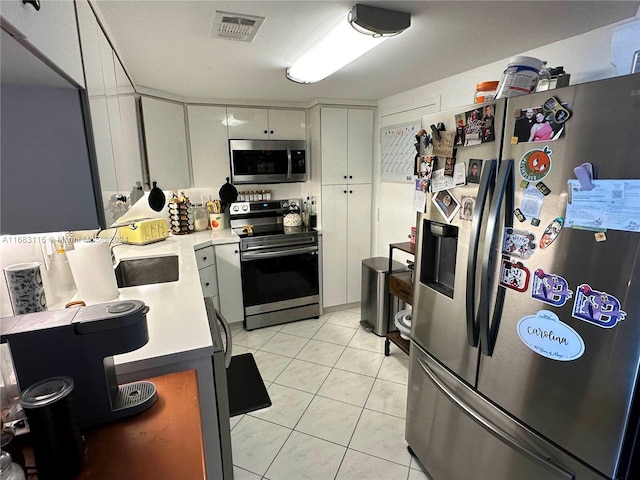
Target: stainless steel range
279	263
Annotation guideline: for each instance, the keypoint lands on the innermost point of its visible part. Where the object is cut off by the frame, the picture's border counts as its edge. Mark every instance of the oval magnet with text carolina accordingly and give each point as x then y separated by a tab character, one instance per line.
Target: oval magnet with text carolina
546	335
551	232
535	164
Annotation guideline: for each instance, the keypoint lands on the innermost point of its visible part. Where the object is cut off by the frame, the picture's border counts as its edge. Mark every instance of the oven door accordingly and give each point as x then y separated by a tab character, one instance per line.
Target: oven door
280	285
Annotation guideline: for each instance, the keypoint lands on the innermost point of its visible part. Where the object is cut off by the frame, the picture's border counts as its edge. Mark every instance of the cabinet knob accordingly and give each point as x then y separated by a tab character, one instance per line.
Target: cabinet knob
350	176
345	191
271	131
345	176
350	191
206	284
266	131
204	258
35	3
235	251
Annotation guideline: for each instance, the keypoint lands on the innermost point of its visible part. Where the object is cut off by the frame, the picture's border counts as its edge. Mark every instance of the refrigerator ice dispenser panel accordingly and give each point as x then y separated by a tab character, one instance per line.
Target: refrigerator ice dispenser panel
439	247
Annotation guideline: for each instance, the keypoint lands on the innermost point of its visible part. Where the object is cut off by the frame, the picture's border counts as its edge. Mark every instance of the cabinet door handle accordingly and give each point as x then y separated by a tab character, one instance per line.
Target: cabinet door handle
35	3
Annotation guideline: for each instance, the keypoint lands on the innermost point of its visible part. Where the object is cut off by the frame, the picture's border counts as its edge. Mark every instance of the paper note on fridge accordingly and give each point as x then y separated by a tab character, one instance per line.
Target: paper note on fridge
441	182
611	204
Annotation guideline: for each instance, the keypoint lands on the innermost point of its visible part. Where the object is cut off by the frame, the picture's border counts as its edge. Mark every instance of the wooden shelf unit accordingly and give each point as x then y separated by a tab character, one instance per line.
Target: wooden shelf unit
400	286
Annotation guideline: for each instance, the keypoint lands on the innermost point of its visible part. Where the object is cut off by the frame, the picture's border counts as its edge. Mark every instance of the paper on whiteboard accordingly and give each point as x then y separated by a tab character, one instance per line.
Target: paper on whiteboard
611	204
439	181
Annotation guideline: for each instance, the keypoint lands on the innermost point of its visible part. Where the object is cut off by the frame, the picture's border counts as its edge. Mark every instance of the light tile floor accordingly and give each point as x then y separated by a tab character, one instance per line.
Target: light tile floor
338	404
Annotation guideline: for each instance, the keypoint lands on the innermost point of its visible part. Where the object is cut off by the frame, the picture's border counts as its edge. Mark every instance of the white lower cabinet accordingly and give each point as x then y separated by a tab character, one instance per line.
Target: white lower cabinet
206	262
229	282
346	241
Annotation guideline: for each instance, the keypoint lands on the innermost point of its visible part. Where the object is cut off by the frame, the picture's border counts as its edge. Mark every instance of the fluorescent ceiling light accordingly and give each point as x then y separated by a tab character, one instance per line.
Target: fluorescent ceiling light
343	44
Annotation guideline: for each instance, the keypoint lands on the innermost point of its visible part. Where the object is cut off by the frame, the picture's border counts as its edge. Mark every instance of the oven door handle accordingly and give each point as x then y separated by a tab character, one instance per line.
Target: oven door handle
259	255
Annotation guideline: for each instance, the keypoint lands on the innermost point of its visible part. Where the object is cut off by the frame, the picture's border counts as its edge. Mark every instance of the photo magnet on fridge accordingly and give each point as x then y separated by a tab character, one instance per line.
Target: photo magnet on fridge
538	124
468	206
475	167
446	204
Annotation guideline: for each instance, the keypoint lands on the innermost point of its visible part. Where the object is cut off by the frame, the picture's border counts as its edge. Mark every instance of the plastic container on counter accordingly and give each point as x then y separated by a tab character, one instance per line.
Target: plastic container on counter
520	77
485	91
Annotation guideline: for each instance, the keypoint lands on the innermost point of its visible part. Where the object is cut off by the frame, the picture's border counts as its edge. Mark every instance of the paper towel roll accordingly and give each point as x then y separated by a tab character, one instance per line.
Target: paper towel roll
93	272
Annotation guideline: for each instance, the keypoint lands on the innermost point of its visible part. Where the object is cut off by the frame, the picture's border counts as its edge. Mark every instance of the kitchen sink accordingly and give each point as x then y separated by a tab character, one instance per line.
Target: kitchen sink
133	272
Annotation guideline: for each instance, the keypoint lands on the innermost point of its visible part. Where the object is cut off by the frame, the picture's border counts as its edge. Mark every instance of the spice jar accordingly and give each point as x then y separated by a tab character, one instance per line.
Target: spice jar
485	91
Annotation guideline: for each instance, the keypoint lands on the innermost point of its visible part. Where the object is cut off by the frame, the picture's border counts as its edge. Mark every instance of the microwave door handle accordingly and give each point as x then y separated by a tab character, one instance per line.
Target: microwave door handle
289	173
503	193
487	184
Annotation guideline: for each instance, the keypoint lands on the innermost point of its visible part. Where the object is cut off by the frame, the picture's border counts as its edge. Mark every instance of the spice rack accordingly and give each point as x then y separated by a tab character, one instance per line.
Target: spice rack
400	286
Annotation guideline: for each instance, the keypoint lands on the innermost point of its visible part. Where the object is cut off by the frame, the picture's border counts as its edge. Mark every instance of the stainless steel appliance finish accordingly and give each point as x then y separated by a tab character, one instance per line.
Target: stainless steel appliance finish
268	161
482	404
279	264
377	307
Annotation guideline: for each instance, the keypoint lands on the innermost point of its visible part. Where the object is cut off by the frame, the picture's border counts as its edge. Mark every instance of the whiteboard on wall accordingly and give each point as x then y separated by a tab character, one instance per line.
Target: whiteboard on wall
398	152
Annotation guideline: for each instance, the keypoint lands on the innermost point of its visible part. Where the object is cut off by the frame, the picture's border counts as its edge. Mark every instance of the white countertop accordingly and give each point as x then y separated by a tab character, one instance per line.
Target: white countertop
177	320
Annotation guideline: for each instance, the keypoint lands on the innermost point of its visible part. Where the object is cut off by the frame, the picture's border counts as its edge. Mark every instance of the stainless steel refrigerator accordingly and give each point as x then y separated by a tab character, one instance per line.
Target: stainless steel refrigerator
526	324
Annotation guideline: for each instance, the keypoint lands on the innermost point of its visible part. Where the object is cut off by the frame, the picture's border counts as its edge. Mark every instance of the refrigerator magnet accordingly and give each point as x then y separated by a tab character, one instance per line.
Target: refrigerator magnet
518	243
550	288
446	204
535	164
551	232
599	308
531	203
468	206
514	275
519	215
546	335
543	188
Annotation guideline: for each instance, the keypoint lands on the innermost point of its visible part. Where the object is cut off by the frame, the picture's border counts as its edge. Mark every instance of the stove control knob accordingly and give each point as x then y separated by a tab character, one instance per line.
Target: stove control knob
235	208
245	208
293	203
285	204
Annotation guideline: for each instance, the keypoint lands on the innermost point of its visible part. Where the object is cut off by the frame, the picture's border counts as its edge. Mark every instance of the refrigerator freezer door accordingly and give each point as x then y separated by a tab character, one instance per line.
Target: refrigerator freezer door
581	401
458	435
440	321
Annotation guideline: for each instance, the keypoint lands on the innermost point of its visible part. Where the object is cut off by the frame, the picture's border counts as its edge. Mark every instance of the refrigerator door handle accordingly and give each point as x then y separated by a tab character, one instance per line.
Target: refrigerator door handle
557	470
487	184
505	191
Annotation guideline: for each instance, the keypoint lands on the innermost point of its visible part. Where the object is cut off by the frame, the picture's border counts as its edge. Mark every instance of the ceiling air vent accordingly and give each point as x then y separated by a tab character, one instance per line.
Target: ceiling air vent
235	26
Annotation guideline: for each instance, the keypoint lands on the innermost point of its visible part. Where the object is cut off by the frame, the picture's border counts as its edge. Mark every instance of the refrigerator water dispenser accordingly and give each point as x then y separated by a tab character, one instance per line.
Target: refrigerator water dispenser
438	264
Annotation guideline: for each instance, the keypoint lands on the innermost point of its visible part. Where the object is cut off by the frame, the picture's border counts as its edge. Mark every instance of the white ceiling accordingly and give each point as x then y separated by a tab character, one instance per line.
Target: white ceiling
165	45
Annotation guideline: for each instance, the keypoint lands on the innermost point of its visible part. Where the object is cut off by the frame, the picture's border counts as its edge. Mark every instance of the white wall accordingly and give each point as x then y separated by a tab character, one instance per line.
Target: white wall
586	57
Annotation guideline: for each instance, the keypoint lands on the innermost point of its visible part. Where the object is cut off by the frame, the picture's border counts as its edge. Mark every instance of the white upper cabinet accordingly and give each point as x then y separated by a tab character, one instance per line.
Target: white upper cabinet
209	145
266	124
346	145
51	31
166	143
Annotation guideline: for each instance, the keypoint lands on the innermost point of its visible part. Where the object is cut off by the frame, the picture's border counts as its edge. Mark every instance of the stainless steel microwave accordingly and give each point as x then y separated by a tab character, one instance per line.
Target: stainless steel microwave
268	161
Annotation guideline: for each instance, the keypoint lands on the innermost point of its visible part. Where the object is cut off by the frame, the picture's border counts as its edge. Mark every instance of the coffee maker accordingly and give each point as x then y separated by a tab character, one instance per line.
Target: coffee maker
80	343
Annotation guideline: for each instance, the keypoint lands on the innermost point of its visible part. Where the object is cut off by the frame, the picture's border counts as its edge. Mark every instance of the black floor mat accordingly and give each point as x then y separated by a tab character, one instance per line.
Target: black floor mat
246	388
